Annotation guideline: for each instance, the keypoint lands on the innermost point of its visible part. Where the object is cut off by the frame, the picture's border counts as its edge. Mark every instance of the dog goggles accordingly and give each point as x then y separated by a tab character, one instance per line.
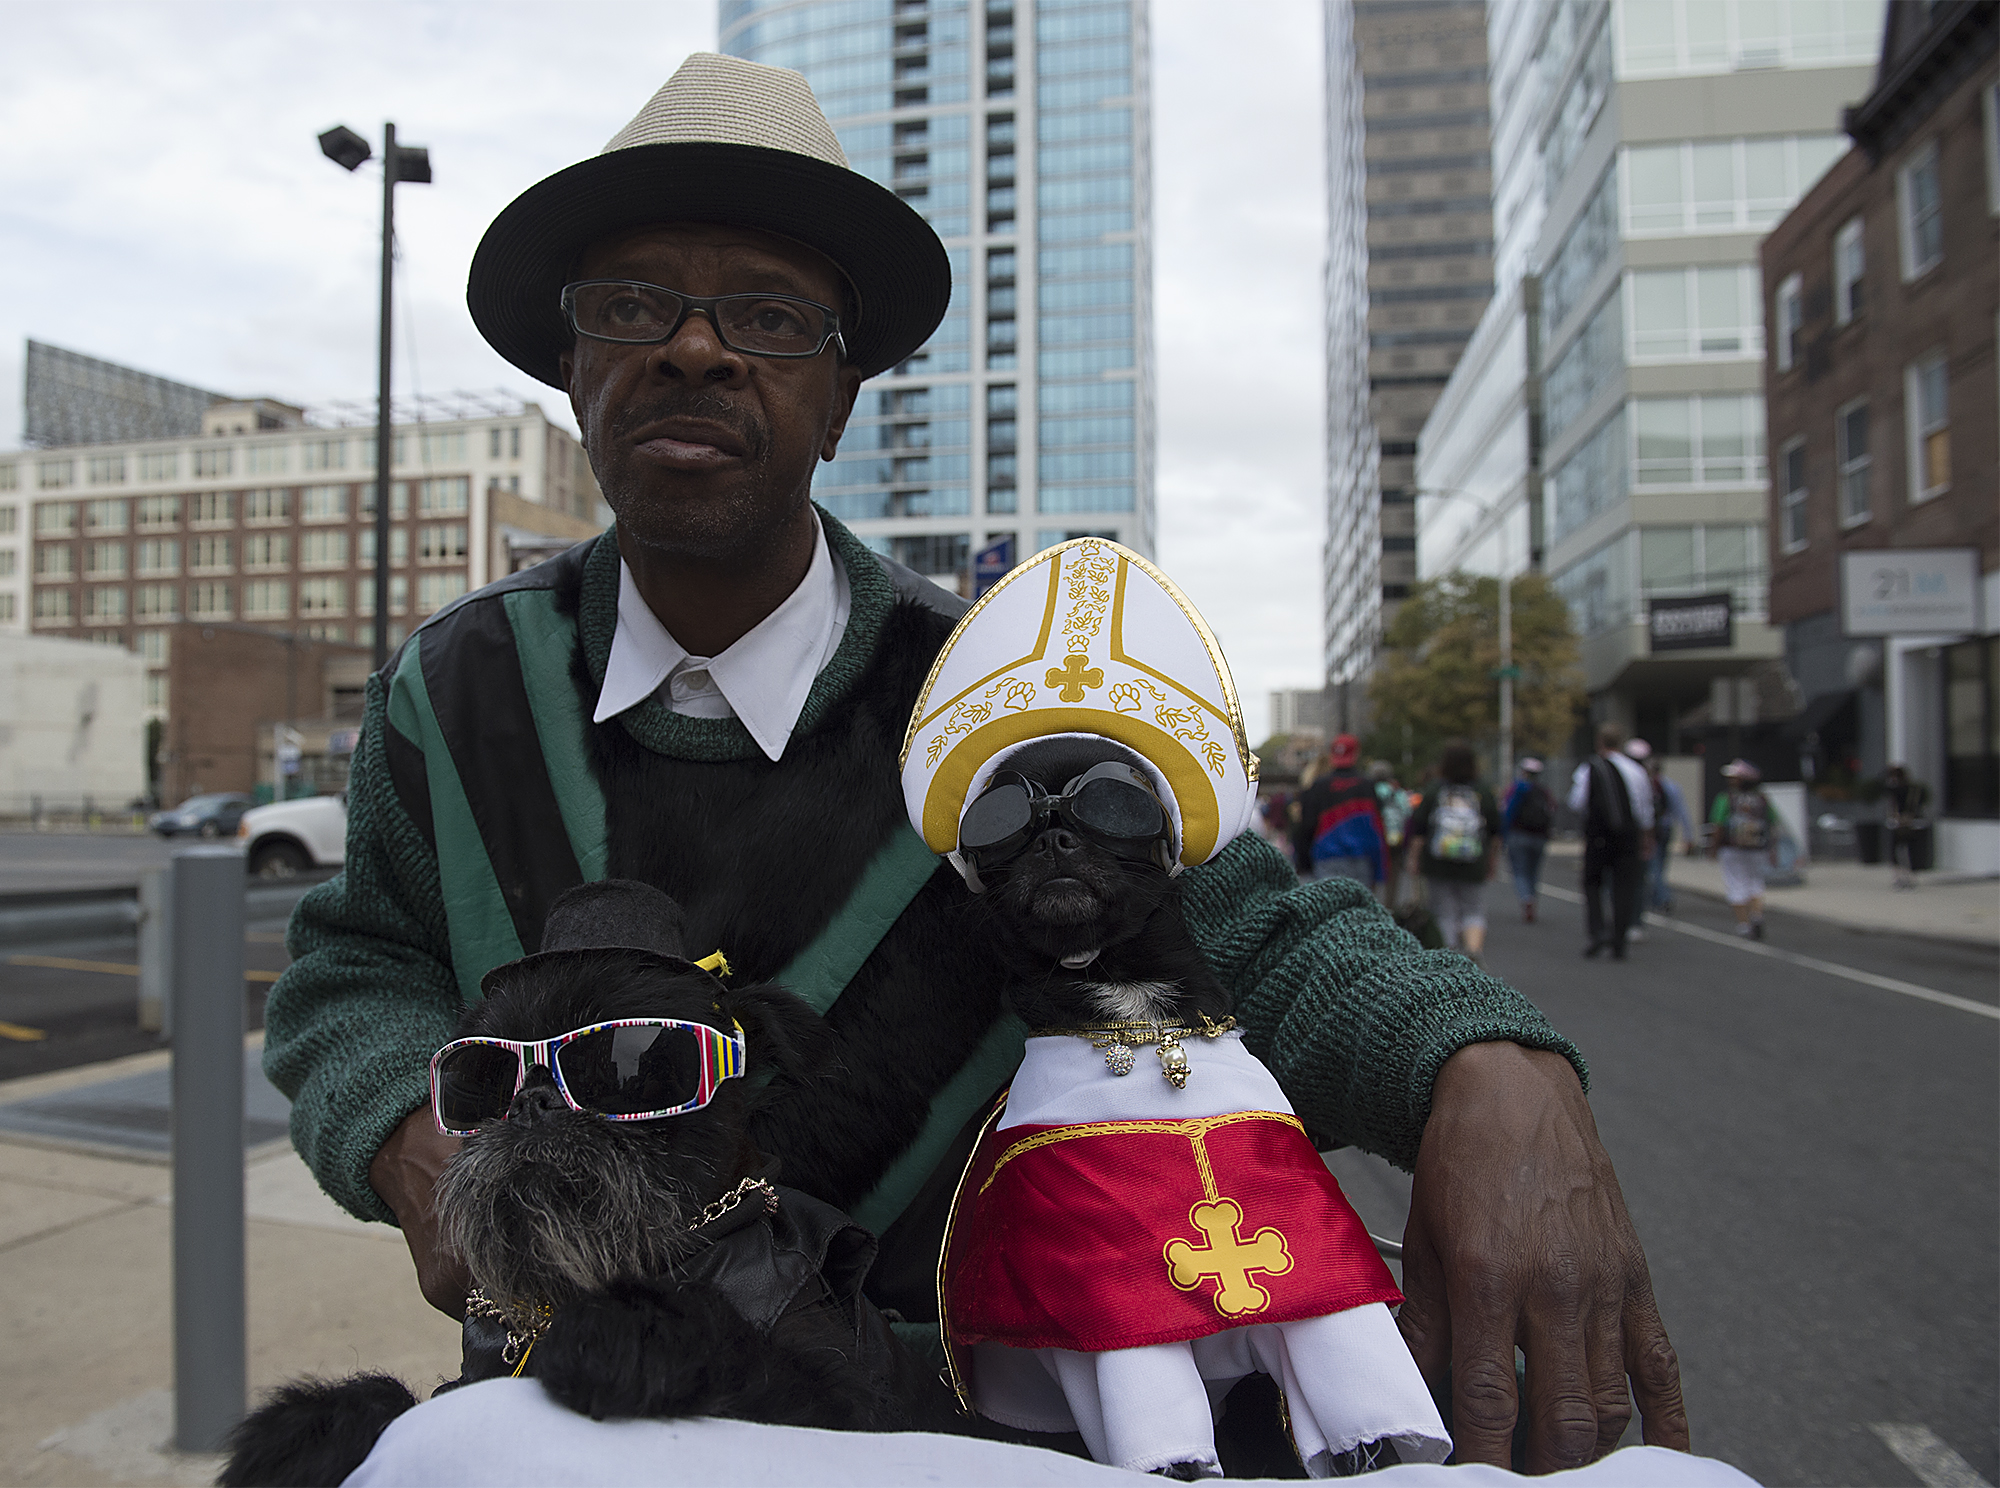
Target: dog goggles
631	1069
1112	804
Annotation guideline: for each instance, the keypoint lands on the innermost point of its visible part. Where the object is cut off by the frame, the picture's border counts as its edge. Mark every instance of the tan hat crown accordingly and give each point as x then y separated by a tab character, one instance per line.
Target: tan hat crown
718	100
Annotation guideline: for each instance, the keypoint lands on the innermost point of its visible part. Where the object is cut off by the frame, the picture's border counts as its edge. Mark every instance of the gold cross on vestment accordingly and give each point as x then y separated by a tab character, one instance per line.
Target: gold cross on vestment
1228	1258
1072	677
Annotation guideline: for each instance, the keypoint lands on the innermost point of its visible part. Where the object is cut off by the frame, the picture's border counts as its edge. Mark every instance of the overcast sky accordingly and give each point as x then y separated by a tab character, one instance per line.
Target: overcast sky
163	205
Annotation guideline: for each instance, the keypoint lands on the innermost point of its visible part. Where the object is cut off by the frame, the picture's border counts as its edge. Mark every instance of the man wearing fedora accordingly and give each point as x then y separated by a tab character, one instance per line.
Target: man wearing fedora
710	698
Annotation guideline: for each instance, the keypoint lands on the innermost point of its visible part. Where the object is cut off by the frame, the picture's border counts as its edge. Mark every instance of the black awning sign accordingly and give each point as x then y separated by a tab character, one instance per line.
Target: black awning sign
1696	623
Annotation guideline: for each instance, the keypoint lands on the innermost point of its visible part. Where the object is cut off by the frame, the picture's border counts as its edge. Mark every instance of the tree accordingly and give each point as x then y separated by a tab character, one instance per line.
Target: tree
1436	678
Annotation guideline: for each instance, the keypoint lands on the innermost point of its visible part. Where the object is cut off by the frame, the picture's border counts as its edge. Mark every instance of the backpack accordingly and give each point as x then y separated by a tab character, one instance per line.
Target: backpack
1749	823
1533	815
1458	827
1395	804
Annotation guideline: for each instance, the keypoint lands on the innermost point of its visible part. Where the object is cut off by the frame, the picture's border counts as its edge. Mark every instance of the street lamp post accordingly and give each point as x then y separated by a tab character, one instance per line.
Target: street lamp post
410	163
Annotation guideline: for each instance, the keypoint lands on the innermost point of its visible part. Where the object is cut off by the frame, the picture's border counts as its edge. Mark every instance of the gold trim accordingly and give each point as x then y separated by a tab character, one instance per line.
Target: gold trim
1201	810
960	1387
919	718
1193	1128
1232	713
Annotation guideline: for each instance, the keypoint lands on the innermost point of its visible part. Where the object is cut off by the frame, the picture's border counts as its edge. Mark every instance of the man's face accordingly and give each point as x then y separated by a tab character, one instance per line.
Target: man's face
702	451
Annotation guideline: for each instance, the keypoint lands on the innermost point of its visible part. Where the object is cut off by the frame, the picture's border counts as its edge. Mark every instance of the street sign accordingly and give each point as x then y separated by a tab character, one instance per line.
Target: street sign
1909	591
991	563
1691	624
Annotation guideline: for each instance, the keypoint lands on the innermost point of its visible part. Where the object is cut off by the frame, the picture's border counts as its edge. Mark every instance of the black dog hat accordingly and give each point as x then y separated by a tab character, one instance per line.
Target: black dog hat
614	914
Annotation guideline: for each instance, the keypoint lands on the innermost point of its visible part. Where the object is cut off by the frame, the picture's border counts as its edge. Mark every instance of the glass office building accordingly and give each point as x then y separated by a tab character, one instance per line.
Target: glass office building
1019	128
1606	423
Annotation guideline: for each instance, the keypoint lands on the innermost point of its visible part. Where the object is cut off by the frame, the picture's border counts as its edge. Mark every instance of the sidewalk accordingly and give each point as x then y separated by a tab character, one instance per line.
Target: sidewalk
85	1243
1944	906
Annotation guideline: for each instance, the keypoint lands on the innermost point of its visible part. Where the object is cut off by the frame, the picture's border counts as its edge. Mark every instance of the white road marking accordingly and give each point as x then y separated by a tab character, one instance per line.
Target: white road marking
1811	963
1919	1449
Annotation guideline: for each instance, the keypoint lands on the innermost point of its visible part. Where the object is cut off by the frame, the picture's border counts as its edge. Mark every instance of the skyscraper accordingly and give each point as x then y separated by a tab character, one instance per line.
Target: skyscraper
1019	128
1409	268
1606	422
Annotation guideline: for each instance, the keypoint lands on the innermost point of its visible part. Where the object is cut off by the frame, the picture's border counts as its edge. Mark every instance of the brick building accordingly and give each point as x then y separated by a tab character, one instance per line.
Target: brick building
1883	289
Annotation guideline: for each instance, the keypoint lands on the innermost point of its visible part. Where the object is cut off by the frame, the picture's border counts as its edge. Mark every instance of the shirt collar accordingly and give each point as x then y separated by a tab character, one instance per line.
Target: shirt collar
763	678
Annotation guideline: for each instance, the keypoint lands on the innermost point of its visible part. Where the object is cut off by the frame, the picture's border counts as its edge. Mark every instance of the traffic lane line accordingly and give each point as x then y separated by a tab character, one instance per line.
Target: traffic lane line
21	1035
1920	1450
1811	963
111	968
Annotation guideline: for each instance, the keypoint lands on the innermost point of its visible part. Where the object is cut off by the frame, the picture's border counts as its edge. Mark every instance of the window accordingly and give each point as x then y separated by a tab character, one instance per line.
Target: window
1922	212
209	601
7	608
160	467
1792	505
1713	439
105	516
107	559
153	646
266	459
1926	401
1972	728
1695	312
266	599
53	475
1788	317
213	508
449	494
156	602
324	504
105	606
212	463
272	505
322	597
322	550
1850	445
160	555
10	517
8	559
399	499
9	476
323	454
435	589
1705	185
399	595
443	449
209	553
1849	263
1659	37
271	549
156	690
106	470
399	546
514	443
444	544
54	607
55	518
55	561
158	511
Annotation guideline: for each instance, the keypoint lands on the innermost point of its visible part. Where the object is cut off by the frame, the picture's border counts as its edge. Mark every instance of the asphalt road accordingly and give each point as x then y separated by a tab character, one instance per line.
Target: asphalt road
31	862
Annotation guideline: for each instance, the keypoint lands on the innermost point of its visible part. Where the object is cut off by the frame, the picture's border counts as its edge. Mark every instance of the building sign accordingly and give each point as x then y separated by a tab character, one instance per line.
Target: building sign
1909	591
1692	624
991	563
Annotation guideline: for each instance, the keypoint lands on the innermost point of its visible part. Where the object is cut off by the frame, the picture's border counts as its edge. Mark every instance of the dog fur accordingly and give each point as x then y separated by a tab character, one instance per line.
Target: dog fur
592	1218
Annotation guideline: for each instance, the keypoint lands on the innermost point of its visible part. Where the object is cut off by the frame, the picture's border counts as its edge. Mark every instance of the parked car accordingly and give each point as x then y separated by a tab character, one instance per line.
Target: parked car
214	815
288	838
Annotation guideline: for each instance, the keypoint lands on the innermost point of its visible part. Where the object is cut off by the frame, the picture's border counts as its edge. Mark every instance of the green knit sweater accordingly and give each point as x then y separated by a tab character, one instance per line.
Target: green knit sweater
1353	1017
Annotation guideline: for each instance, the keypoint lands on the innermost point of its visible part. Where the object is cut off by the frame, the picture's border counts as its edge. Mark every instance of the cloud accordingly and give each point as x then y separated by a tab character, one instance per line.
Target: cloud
163	204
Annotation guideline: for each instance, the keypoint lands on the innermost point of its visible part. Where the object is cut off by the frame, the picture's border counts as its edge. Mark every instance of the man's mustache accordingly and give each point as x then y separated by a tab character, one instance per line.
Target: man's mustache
740	421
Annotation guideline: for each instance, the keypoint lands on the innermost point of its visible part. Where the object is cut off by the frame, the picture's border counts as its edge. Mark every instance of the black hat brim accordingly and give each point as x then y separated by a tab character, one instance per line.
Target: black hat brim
893	259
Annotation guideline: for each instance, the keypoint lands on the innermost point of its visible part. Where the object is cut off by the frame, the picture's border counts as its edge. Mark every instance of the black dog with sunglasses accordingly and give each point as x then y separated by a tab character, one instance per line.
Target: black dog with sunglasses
629	1247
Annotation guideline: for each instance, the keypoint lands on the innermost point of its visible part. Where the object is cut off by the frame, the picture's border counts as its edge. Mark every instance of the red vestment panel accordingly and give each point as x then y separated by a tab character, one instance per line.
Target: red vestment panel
1122	1234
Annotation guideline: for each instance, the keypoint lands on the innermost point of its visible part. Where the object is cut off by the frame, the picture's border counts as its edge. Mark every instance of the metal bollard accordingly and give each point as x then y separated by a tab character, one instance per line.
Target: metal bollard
155	958
206	946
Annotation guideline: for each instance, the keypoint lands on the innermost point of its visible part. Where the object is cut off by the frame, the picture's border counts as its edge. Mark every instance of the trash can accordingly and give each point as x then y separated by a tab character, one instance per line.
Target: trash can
1868	841
1923	848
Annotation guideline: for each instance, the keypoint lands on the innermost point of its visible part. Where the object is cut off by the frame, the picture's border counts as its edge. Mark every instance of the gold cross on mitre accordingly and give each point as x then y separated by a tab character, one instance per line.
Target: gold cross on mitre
1227	1257
1072	677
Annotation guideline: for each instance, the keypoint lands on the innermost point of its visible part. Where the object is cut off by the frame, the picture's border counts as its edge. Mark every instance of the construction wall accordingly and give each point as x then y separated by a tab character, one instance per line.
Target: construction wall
72	726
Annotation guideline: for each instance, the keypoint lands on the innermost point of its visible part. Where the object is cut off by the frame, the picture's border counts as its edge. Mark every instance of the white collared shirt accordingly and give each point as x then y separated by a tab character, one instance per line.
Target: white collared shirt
762	679
1638	785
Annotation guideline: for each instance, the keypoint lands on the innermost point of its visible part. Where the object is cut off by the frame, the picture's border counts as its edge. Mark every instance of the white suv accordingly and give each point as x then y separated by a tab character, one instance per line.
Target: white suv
288	838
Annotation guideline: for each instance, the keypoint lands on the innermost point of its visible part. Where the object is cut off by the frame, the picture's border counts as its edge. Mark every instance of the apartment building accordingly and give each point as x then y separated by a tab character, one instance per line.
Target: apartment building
1606	423
1883	509
264	518
1020	129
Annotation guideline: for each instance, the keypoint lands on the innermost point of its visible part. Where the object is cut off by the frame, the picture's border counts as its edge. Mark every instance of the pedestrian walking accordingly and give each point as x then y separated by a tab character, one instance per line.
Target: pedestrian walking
1744	839
1614	797
1526	821
1394	803
1906	799
1670	812
1454	842
1339	829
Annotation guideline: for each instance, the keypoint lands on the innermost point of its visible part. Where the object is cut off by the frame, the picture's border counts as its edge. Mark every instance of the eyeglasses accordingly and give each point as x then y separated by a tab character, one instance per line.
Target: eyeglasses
1112	804
769	325
631	1069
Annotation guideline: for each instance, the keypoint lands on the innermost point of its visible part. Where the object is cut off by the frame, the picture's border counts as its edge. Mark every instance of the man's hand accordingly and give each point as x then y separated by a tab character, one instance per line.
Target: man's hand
1518	1234
404	1172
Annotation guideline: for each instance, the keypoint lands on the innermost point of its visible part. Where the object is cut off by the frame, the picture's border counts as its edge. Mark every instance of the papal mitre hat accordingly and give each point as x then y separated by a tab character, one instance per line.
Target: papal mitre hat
1084	638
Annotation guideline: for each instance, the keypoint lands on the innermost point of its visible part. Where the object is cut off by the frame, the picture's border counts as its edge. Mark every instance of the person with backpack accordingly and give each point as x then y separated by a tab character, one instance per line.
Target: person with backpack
1454	842
1615	799
1529	816
1743	837
1905	800
1394	803
1338	833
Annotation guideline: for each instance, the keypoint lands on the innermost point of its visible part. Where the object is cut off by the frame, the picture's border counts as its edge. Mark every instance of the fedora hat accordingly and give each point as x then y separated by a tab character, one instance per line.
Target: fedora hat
724	141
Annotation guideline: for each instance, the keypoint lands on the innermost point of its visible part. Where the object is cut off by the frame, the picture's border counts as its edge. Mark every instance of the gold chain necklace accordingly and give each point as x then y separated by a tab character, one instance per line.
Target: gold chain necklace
1119	1039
